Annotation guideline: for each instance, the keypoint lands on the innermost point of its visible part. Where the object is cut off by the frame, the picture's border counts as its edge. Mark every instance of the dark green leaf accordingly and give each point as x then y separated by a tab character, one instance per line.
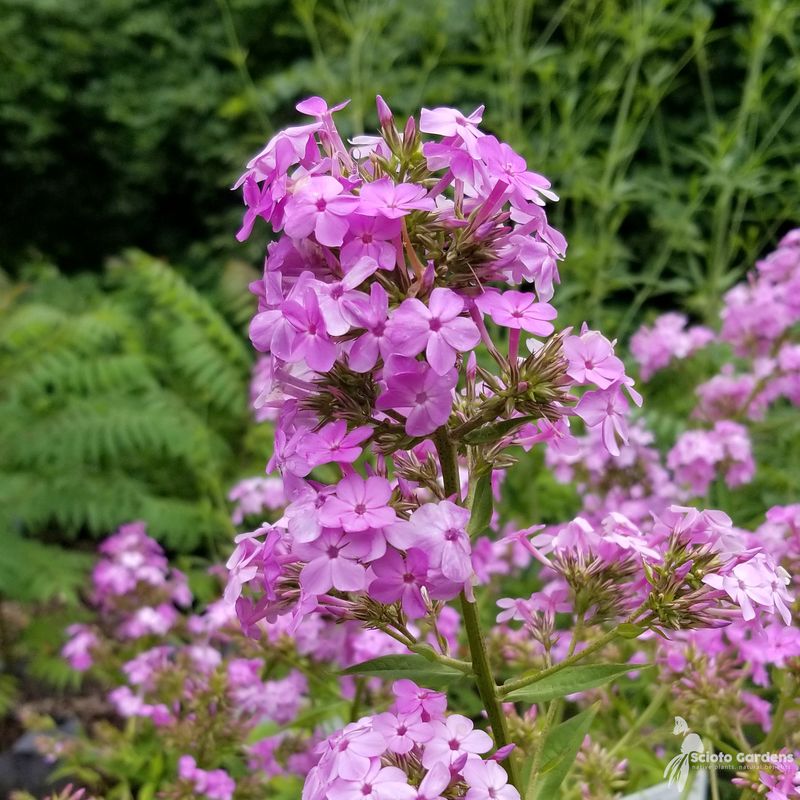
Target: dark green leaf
572	679
482	505
559	750
413	667
629	630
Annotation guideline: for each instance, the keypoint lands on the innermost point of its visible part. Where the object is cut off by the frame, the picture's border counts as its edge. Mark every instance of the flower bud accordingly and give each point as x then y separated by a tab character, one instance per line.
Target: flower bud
385	116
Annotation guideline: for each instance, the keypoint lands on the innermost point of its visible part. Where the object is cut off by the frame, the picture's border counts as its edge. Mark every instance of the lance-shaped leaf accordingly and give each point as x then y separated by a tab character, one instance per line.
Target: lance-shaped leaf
572	679
413	667
559	749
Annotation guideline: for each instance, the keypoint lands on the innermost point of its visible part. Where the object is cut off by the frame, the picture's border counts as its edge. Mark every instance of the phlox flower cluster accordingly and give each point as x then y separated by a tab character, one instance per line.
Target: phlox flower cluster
193	678
379	288
407	269
413	751
668	339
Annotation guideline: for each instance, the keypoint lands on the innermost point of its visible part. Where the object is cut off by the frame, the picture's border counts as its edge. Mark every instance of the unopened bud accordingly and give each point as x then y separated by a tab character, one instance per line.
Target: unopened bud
385	116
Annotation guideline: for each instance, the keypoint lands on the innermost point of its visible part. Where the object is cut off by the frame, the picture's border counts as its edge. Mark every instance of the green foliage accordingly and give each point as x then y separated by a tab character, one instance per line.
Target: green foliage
559	749
122	397
569	680
409	667
669	127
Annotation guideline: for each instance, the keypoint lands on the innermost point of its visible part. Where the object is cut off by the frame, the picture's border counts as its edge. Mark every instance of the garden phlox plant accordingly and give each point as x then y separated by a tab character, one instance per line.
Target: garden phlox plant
410	348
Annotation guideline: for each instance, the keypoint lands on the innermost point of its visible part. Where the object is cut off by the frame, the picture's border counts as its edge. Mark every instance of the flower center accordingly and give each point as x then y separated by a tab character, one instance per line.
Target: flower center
321	205
408	577
435	324
452	534
360	509
367	238
454	744
421	397
333	552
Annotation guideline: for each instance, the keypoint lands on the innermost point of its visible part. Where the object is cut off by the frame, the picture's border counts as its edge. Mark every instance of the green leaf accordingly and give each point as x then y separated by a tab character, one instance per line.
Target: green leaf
572	679
559	749
481	506
629	630
495	431
412	667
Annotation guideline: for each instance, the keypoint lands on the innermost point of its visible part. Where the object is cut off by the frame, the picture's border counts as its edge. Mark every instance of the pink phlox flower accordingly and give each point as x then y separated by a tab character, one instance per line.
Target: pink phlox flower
448	122
310	340
436	781
402	733
414	700
556	435
514	608
301	516
414	389
531	260
577	536
332	563
393	200
487	780
334	443
756	581
453	737
372	314
590	359
318	107
438	329
370	237
359	504
401	579
786	784
380	783
320	205
259	204
618	530
607	409
333	296
504	164
440	530
518	311
355	750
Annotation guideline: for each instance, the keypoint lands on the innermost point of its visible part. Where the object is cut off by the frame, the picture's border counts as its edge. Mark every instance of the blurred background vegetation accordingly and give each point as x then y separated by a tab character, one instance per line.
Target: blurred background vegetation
670	129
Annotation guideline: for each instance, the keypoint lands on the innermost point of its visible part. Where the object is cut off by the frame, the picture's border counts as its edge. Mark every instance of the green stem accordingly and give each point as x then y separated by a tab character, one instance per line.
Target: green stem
487	687
527	680
788	695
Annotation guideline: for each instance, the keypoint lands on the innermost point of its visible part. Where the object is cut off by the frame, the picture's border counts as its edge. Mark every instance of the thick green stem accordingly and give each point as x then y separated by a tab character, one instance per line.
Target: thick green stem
485	681
487	687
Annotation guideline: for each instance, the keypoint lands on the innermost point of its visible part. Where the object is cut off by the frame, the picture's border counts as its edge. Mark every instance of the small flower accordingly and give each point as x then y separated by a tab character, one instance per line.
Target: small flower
438	329
487	780
320	206
452	738
393	200
415	389
401	579
518	311
359	504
